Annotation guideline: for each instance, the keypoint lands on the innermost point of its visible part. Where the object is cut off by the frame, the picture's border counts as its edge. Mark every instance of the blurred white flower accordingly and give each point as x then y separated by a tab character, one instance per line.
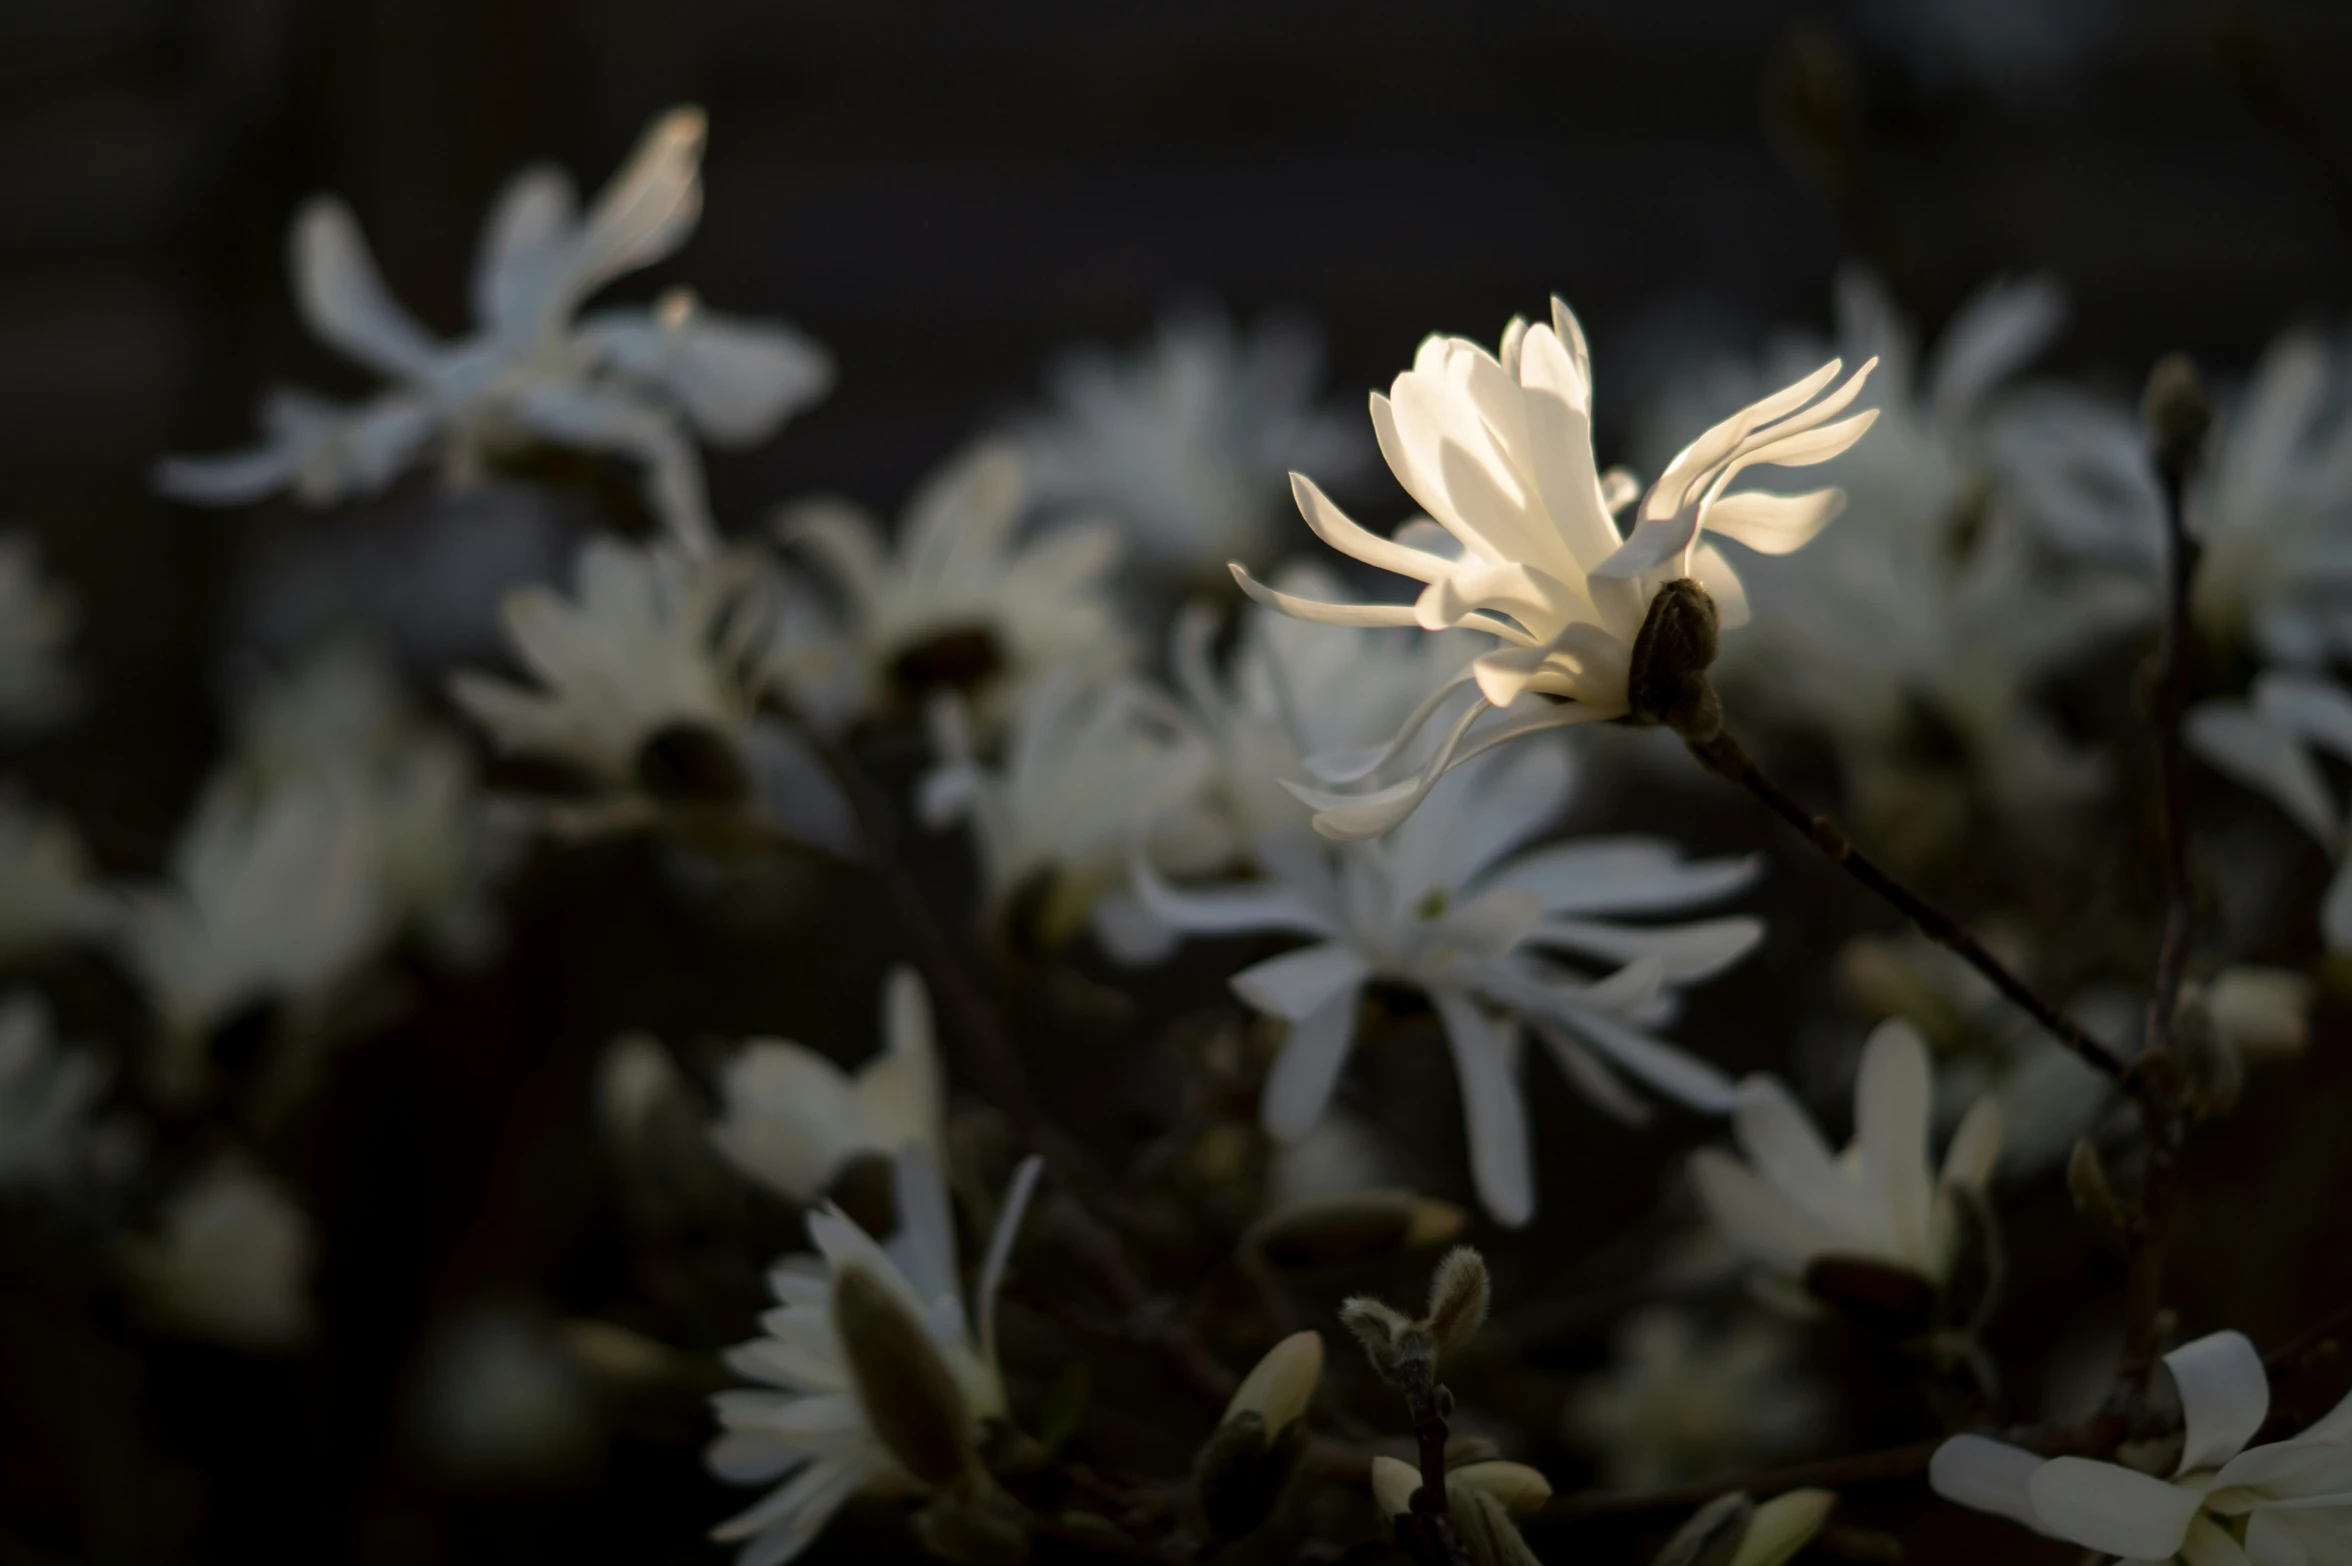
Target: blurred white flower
500	1396
230	1260
790	1118
1438	906
342	712
963	602
45	891
2271	504
2283	1504
1498	449
1680	1403
37	619
1793	1203
809	1423
273	900
48	1091
2263	1013
2265	743
1084	773
1187	440
634	382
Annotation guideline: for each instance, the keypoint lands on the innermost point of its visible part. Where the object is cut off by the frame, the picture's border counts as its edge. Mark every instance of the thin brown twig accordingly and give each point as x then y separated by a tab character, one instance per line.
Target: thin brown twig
1726	758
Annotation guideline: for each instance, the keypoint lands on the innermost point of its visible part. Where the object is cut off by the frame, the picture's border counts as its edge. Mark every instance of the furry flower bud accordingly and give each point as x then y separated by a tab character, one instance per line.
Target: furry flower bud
2178	414
1666	682
1242	1470
1458	1299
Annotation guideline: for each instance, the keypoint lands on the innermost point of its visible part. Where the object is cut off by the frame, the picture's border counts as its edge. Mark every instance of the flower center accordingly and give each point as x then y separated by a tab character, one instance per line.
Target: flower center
691	763
958	658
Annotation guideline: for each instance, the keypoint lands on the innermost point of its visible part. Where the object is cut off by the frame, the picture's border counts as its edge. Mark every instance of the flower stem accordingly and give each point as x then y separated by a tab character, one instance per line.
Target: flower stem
1724	756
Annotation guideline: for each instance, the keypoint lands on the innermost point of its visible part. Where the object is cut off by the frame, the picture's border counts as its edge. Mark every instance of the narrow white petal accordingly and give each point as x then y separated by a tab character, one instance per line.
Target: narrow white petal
1987	1476
1307	1069
2103	1507
1494	1117
1297	984
2224	1397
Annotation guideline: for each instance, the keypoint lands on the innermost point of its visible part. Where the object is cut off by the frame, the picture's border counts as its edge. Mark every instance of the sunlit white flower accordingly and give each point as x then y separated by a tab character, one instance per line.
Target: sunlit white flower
1187	440
2288	1503
2271	504
808	1423
273	899
48	1091
1793	1202
230	1260
962	601
1443	906
37	619
1680	1403
1084	771
632	382
790	1118
45	891
1498	449
342	712
2266	743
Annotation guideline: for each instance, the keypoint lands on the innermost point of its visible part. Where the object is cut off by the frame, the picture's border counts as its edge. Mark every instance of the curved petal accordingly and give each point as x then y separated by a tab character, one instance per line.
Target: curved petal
2224	1397
523	241
1494	1116
1788	1152
1976	1147
1022	1187
1342	533
2263	755
343	297
1298	984
647	209
1316	609
1682	1077
1774	524
1307	1069
1986	1476
2103	1507
1689	951
1753	1218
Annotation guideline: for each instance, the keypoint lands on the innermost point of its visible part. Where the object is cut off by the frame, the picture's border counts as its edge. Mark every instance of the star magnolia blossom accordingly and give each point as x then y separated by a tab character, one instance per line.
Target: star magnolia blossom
630	382
2266	744
807	1424
791	1118
1498	450
2226	1504
963	602
1439	907
1793	1202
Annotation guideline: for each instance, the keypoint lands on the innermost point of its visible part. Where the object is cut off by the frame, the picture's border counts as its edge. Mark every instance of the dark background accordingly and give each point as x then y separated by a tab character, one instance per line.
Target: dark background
945	196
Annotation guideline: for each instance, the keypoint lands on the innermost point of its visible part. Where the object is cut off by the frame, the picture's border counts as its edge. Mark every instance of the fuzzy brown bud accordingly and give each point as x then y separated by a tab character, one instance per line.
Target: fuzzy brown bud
1458	1298
909	1395
2178	414
1666	681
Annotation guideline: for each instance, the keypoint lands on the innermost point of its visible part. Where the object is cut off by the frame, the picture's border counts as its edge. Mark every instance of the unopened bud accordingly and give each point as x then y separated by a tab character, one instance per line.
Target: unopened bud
1521	1490
1363	1226
2178	414
1713	1535
1666	681
1397	1345
909	1395
1784	1525
1280	1385
1458	1299
2094	1196
1393	1484
1242	1470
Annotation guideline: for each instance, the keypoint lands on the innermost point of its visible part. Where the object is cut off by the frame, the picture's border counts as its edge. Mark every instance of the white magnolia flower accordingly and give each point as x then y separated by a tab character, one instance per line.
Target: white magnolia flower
273	899
633	382
1793	1202
1916	632
45	891
1442	906
2271	504
48	1091
790	1118
2288	1503
1498	449
808	1423
1084	771
1187	441
37	619
1679	1403
2266	743
962	602
230	1261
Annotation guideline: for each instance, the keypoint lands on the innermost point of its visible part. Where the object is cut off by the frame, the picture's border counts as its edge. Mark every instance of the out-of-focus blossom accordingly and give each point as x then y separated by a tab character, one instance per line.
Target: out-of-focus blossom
342	713
48	1093
1498	449
2263	1013
2283	1504
1441	905
963	602
1083	774
1187	440
45	890
229	1261
790	1118
812	1422
37	619
501	1397
1793	1203
2271	504
2266	743
273	899
1680	1403
633	382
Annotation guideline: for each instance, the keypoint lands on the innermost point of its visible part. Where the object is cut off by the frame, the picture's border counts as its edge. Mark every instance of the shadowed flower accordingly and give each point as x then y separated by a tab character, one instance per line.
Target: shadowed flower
2226	1504
230	1261
822	1421
630	382
790	1118
1525	548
